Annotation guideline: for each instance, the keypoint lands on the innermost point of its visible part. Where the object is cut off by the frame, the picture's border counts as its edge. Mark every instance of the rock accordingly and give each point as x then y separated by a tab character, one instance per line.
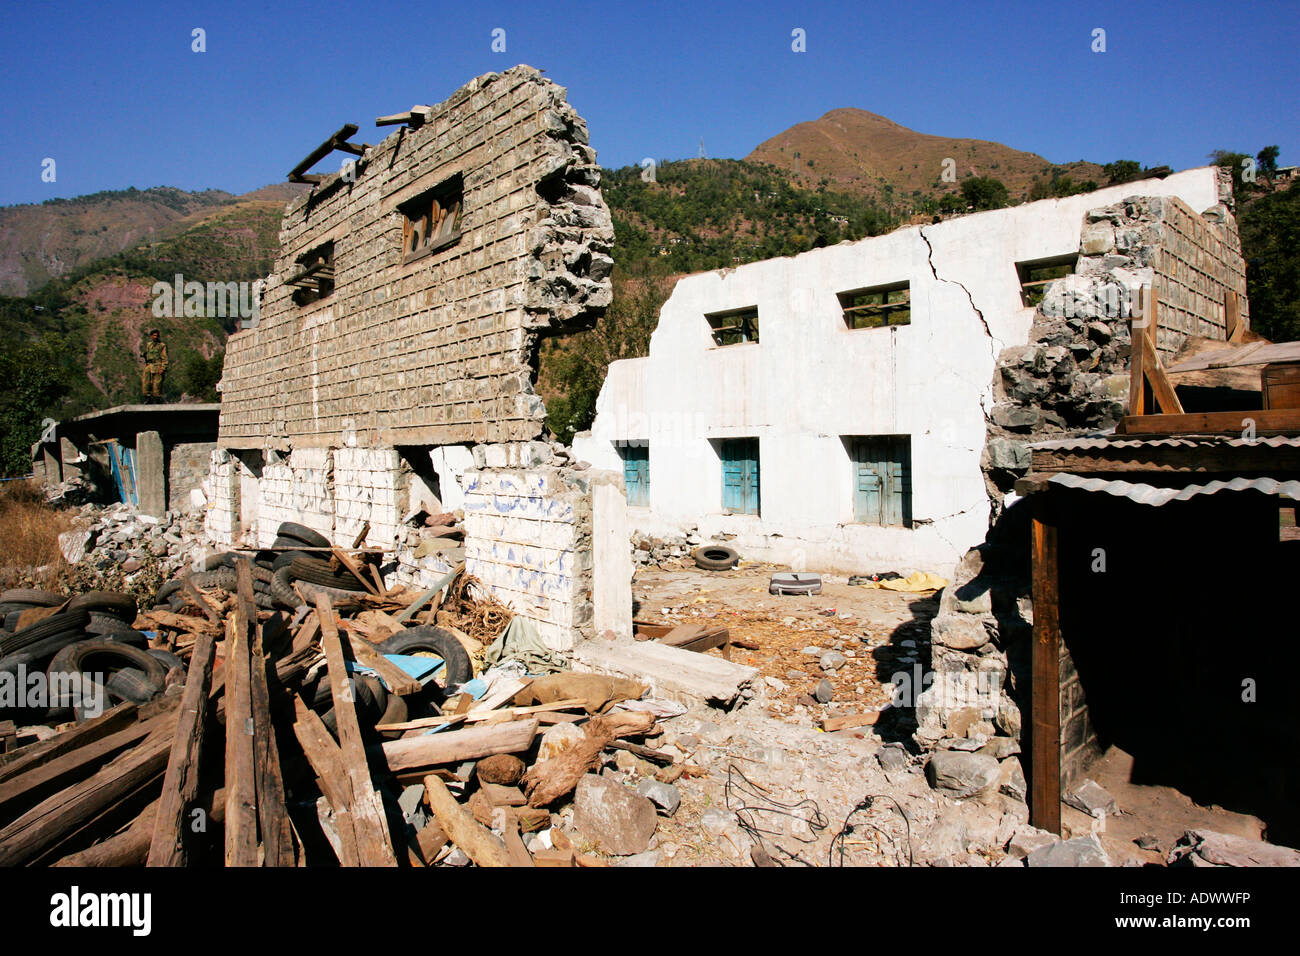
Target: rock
1007	454
625	761
612	816
715	820
456	857
131	565
893	758
962	773
74	544
1081	851
824	691
795	675
944	841
503	769
775	683
1011	779
648	858
1209	848
999	748
1148	841
711	733
664	796
812	650
1091	798
832	661
687	741
557	739
1027	839
959	631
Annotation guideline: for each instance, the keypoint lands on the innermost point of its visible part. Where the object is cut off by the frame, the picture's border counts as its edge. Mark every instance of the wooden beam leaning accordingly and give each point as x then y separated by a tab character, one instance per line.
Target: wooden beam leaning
374	843
1138	332
168	847
299	173
241	775
478	842
1045	709
327	760
272	814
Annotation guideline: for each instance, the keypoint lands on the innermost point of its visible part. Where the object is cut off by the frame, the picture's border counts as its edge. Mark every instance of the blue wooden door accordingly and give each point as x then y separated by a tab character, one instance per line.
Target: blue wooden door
636	474
882	475
740	486
122	465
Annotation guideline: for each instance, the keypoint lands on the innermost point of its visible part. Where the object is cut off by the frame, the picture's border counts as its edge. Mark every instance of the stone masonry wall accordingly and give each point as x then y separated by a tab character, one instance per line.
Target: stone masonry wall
1079	744
437	350
528	537
222	489
1072	378
187	467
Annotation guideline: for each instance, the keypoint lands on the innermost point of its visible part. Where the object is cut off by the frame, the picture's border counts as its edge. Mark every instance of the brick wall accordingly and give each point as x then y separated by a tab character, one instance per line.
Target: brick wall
370	484
1198	262
438	350
528	537
222	488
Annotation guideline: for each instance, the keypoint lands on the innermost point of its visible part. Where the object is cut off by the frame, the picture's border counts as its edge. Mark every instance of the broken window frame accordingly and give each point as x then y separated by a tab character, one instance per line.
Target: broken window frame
313	277
861	315
742	323
1033	284
432	220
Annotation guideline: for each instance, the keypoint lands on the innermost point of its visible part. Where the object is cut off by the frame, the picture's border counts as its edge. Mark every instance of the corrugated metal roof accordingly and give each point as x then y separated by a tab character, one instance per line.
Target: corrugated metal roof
1087	443
1149	495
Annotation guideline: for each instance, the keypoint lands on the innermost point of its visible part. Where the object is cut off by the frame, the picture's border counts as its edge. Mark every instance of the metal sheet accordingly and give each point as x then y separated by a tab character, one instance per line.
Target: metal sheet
1150	495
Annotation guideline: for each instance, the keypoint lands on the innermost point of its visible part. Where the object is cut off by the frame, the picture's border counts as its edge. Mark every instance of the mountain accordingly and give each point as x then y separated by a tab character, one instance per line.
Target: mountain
857	151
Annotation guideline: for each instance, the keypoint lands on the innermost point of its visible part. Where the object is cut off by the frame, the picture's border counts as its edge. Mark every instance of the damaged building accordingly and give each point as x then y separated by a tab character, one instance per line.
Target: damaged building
864	407
391	372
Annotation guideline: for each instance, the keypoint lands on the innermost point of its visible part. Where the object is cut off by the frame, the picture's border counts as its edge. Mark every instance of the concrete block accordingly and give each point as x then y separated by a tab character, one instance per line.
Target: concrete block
150	474
683	676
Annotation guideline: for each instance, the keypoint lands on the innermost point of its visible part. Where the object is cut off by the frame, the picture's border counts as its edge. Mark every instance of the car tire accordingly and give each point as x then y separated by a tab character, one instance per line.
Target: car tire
435	640
715	557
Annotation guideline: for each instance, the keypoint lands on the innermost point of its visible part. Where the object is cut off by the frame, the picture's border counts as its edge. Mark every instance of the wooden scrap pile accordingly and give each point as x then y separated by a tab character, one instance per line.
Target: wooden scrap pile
303	738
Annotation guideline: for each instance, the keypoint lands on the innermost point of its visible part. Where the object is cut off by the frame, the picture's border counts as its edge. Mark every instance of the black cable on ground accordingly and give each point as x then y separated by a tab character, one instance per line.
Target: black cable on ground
740	789
864	805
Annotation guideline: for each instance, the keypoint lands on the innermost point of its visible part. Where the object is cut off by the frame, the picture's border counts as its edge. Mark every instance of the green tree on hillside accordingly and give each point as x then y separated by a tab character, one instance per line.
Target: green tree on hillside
36	380
984	192
1270	236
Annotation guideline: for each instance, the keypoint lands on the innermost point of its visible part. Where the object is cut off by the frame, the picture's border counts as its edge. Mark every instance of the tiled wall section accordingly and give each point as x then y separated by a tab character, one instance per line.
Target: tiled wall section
528	538
435	351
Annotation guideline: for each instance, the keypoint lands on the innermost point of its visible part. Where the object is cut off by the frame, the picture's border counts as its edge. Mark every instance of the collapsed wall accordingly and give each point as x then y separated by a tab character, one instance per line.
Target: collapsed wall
1070	379
391	371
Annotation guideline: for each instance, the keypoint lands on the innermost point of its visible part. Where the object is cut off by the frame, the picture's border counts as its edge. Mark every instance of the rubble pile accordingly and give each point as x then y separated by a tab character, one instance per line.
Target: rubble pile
117	536
668	553
367	736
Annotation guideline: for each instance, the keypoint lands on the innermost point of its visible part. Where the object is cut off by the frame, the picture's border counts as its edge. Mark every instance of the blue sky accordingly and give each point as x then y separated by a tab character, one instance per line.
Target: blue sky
113	93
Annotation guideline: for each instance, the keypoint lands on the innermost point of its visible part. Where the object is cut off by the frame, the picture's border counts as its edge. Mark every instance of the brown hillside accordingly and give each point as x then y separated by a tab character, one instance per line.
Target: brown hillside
863	152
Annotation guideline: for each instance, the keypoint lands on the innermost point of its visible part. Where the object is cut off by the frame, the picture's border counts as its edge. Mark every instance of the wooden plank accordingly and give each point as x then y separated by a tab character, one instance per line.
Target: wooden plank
1045	714
374	843
109	722
131	846
299	172
200	602
327	760
51	822
400	682
1161	388
1137	380
24	790
360	538
170	832
475	717
457	745
430	594
355	571
272	814
1232	316
844	721
1259	459
241	774
645	753
515	849
477	841
1273	421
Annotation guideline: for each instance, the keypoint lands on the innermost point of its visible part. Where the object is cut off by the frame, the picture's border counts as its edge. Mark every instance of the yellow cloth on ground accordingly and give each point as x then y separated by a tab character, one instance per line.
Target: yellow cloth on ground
916	581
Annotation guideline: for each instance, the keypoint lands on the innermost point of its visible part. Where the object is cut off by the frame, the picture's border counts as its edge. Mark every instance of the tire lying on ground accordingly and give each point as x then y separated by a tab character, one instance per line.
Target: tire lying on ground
715	557
119	605
282	589
428	639
30	597
301	534
102	657
316	571
369	697
106	625
67	622
167	590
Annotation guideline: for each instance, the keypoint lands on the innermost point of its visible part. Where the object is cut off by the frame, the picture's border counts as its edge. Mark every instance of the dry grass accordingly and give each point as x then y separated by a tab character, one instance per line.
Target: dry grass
29	534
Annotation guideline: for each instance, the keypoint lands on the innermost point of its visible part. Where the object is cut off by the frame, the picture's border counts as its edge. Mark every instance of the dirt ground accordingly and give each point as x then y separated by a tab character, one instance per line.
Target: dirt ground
879	632
818	778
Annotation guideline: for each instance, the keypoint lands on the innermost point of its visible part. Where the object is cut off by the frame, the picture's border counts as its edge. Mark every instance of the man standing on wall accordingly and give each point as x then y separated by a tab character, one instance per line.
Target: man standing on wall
155	366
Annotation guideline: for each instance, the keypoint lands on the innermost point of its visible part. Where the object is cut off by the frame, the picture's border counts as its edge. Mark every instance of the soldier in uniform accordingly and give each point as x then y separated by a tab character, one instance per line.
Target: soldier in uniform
155	366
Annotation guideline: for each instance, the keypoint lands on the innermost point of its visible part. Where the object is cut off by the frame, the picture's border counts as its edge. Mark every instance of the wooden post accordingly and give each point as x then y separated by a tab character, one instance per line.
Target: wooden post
1232	317
374	843
273	816
181	784
241	777
1045	712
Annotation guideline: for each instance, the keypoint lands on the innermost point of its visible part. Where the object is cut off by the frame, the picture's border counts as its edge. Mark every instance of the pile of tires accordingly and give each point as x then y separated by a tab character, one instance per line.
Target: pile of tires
58	644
